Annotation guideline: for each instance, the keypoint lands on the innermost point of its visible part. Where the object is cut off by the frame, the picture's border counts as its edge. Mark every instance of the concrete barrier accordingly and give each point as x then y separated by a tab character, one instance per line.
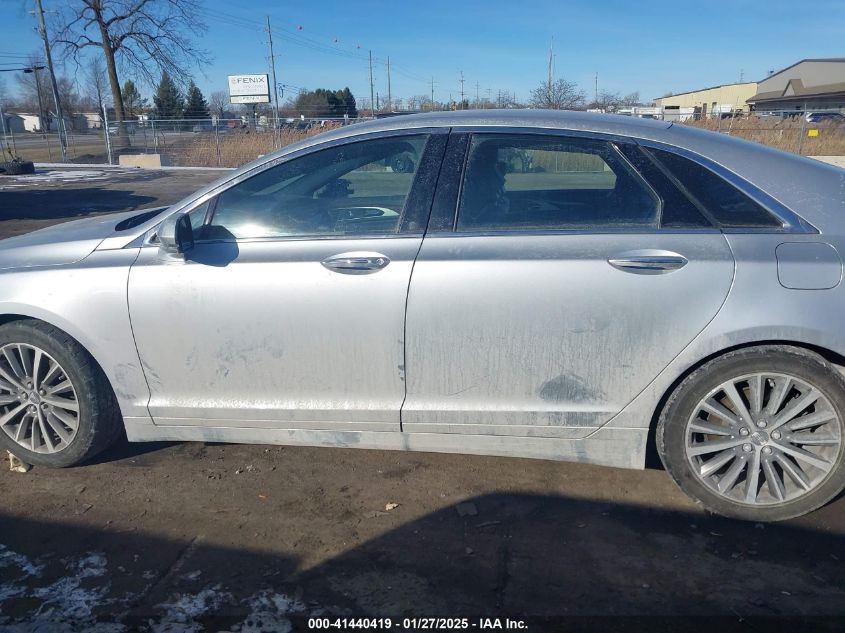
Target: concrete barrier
145	161
839	161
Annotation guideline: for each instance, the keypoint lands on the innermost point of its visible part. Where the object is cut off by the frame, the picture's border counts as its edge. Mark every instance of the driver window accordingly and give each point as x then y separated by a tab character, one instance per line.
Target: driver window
353	189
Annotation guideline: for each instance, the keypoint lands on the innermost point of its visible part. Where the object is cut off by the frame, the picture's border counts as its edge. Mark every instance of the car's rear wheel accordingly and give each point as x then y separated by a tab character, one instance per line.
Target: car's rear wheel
56	406
757	434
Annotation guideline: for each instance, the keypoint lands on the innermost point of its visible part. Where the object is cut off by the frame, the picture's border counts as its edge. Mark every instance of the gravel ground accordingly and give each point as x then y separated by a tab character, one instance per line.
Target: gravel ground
207	537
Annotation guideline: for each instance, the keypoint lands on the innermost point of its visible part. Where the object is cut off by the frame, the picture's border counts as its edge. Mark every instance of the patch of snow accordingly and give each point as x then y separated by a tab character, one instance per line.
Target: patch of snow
179	615
8	558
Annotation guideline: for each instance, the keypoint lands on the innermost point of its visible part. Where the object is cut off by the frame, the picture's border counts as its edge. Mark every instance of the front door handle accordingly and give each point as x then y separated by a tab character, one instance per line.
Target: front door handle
648	263
356	263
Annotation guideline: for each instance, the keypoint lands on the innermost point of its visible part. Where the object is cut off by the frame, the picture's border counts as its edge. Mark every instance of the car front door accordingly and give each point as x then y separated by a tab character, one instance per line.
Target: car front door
289	310
556	293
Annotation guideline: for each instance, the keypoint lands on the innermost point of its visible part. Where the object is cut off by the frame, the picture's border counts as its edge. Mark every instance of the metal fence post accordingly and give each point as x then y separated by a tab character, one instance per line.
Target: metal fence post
802	132
106	133
217	140
155	137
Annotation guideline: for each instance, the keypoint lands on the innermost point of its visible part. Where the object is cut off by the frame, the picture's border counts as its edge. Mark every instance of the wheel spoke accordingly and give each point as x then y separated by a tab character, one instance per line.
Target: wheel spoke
755	397
7	399
805	456
794	471
737	402
36	366
12	414
774	482
14	363
779	391
35	433
51	372
11	378
57	426
42	426
67	419
704	448
700	426
752	477
711	406
795	408
62	403
716	463
814	439
813	419
731	475
62	386
24	424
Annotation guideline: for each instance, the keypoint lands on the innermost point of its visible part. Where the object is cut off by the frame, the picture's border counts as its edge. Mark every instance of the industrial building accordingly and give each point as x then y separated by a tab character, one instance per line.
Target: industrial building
724	99
806	86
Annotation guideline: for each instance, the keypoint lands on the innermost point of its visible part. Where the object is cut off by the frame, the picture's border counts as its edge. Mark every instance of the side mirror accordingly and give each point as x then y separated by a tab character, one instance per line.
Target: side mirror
175	234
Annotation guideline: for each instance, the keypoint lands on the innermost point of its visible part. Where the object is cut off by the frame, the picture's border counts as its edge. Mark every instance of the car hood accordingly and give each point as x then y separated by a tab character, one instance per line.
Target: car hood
64	243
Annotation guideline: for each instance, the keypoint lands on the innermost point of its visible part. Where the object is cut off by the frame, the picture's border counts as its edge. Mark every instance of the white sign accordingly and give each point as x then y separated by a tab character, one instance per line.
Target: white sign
249	88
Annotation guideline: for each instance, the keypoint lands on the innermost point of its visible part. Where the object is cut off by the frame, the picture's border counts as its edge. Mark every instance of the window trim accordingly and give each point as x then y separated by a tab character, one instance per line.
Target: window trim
150	239
791	221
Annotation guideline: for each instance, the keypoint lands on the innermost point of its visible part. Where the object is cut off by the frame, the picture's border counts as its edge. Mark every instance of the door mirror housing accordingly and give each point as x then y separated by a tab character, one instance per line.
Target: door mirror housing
176	235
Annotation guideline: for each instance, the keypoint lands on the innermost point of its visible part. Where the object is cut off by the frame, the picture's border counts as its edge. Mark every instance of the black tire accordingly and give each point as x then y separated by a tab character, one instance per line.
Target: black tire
99	420
671	432
17	168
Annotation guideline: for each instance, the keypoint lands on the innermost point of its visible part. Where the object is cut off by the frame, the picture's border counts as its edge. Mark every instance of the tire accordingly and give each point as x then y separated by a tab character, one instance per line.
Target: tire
16	168
55	442
686	430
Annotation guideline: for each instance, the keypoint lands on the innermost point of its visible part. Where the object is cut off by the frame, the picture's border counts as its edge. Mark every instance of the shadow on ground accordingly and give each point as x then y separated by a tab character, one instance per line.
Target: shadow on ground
542	557
55	203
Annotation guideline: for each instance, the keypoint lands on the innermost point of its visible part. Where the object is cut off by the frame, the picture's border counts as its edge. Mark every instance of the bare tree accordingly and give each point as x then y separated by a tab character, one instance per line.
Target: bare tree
143	37
608	101
559	95
632	99
217	102
30	85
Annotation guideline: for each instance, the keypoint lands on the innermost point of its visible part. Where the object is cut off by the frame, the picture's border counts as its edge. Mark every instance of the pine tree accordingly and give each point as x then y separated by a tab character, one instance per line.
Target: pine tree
133	103
167	99
196	107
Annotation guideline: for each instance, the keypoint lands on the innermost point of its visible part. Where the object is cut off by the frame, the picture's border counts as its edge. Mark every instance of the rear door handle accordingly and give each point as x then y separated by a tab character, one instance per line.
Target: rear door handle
653	263
356	263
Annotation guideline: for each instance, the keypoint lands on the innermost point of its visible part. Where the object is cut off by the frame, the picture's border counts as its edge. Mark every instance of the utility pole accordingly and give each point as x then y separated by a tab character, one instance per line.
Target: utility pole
42	30
372	89
462	90
477	100
597	88
551	72
741	74
273	67
389	93
432	93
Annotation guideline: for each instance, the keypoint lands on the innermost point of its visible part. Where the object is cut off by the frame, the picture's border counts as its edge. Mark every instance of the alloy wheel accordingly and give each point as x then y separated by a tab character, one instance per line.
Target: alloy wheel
763	439
39	409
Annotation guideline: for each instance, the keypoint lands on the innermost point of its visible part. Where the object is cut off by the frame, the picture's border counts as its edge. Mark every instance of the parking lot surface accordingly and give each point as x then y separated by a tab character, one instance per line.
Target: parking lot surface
208	537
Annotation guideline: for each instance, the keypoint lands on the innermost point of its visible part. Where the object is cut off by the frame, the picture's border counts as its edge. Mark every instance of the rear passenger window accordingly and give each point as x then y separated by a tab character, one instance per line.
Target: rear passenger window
529	182
728	205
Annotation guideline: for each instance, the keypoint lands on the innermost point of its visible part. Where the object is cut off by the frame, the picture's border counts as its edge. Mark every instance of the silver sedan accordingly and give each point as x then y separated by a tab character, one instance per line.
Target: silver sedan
520	283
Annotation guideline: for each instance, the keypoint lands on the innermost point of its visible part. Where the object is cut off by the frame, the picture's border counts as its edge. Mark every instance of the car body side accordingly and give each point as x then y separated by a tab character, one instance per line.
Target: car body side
87	297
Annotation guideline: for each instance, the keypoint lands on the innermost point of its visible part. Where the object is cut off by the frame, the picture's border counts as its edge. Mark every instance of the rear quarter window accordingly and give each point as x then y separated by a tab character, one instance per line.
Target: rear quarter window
729	206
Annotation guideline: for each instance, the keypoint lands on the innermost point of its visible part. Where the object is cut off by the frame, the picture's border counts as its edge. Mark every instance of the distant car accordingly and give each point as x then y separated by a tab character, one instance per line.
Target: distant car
824	117
533	283
131	128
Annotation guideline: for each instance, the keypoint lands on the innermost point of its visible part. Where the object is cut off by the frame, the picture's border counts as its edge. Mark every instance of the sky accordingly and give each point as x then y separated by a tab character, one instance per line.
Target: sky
650	47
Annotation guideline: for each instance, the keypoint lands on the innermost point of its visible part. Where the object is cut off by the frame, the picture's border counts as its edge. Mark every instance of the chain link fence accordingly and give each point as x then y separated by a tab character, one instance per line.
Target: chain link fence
218	142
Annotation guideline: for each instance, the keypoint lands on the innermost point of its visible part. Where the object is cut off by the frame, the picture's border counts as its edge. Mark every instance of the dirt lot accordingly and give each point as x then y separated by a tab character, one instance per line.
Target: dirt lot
205	537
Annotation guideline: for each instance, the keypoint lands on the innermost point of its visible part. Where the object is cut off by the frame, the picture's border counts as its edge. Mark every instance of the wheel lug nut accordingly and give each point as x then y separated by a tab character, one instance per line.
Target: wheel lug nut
775	435
42	392
762	424
747	448
743	431
767	450
44	405
32	409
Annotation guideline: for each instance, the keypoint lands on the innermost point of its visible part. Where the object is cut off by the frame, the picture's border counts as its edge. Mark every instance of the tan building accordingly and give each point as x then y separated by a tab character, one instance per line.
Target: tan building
811	84
721	99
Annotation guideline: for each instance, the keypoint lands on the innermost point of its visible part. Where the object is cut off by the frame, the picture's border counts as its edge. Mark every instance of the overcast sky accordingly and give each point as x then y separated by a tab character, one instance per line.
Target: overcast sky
650	47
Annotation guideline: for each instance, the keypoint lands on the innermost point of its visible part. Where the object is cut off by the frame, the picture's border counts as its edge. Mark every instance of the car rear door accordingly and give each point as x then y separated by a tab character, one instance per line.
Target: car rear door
557	291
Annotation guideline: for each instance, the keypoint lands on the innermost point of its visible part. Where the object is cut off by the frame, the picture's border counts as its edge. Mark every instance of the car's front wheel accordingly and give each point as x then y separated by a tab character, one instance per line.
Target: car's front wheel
56	406
757	434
